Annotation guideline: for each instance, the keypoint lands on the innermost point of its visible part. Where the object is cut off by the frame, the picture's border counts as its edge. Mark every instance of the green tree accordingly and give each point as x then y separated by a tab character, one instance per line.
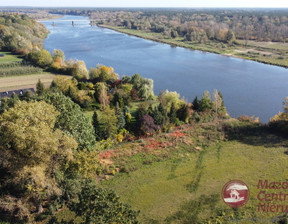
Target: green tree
195	104
39	87
173	114
166	98
146	89
98	205
108	122
97	127
72	121
159	115
184	113
120	117
136	80
205	103
43	58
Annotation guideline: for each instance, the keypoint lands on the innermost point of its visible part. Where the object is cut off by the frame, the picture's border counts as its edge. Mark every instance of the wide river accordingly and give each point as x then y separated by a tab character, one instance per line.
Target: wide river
248	87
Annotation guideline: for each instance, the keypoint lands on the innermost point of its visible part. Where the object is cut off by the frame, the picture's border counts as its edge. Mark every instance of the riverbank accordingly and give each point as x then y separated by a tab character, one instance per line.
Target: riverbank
263	52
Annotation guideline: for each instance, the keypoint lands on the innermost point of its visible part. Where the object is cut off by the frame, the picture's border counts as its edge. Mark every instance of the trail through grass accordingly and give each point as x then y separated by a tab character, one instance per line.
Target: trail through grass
159	190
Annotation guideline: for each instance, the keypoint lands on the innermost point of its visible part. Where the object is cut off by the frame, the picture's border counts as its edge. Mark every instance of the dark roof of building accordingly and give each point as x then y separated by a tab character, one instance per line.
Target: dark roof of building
17	92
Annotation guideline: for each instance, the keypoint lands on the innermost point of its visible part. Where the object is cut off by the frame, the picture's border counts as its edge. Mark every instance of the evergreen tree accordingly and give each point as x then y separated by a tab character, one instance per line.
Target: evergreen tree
183	114
53	85
195	104
163	112
39	87
205	103
173	114
120	117
97	127
157	116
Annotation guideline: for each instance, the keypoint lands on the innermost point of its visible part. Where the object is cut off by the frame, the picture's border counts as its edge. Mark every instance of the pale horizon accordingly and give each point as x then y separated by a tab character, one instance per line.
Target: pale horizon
148	3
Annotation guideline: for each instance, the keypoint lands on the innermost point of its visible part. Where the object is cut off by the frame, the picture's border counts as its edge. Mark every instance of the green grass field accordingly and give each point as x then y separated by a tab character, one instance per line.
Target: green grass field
9	57
160	189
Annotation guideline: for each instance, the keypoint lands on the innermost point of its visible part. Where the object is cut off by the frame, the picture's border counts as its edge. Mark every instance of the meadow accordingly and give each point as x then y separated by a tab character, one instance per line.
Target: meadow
9	57
186	186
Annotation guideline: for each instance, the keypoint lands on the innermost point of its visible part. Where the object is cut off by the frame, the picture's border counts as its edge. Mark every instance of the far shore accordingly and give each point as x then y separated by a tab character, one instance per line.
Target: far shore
238	52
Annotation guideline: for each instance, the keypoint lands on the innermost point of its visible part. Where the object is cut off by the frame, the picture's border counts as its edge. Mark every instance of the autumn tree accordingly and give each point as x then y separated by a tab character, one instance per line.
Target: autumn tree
103	74
217	101
43	58
147	125
31	150
101	93
79	70
58	60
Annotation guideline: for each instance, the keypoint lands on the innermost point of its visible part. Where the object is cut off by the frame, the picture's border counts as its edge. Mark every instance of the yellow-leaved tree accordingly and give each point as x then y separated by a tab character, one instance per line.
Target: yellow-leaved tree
31	149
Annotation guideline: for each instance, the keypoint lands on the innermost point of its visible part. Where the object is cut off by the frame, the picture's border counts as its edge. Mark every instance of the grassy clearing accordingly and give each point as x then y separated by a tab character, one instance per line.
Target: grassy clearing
9	57
161	189
269	45
264	52
26	81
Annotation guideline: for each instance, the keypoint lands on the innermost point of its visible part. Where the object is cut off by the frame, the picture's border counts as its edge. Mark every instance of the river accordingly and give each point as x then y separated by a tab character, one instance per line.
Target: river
248	87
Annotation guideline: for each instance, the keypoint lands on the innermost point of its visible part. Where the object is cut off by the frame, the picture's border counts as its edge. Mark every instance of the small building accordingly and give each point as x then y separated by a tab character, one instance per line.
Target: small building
18	92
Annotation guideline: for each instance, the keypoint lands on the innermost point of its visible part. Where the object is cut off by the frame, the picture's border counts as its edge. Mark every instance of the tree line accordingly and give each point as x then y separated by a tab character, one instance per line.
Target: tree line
20	34
224	25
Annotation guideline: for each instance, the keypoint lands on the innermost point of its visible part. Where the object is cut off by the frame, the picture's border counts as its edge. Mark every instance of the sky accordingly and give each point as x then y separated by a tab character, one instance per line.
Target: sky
150	3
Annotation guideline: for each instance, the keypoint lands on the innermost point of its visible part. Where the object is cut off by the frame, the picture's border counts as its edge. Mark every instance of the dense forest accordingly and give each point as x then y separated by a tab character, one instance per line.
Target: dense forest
225	25
20	34
52	156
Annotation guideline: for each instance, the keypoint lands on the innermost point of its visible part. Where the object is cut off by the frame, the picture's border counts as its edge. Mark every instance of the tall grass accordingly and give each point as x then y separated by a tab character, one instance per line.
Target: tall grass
17	68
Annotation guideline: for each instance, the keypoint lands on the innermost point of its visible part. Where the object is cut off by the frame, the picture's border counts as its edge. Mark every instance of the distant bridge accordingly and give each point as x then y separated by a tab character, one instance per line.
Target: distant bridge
73	22
70	20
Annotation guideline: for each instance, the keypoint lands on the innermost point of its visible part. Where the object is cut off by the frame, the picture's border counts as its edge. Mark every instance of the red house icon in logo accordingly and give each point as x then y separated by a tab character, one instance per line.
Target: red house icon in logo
235	193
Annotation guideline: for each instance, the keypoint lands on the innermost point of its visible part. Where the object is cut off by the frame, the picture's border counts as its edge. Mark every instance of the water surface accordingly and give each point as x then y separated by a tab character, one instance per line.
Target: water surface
248	87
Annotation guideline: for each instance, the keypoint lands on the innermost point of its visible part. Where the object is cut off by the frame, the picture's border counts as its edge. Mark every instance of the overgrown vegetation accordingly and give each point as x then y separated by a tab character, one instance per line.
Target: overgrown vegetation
18	68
